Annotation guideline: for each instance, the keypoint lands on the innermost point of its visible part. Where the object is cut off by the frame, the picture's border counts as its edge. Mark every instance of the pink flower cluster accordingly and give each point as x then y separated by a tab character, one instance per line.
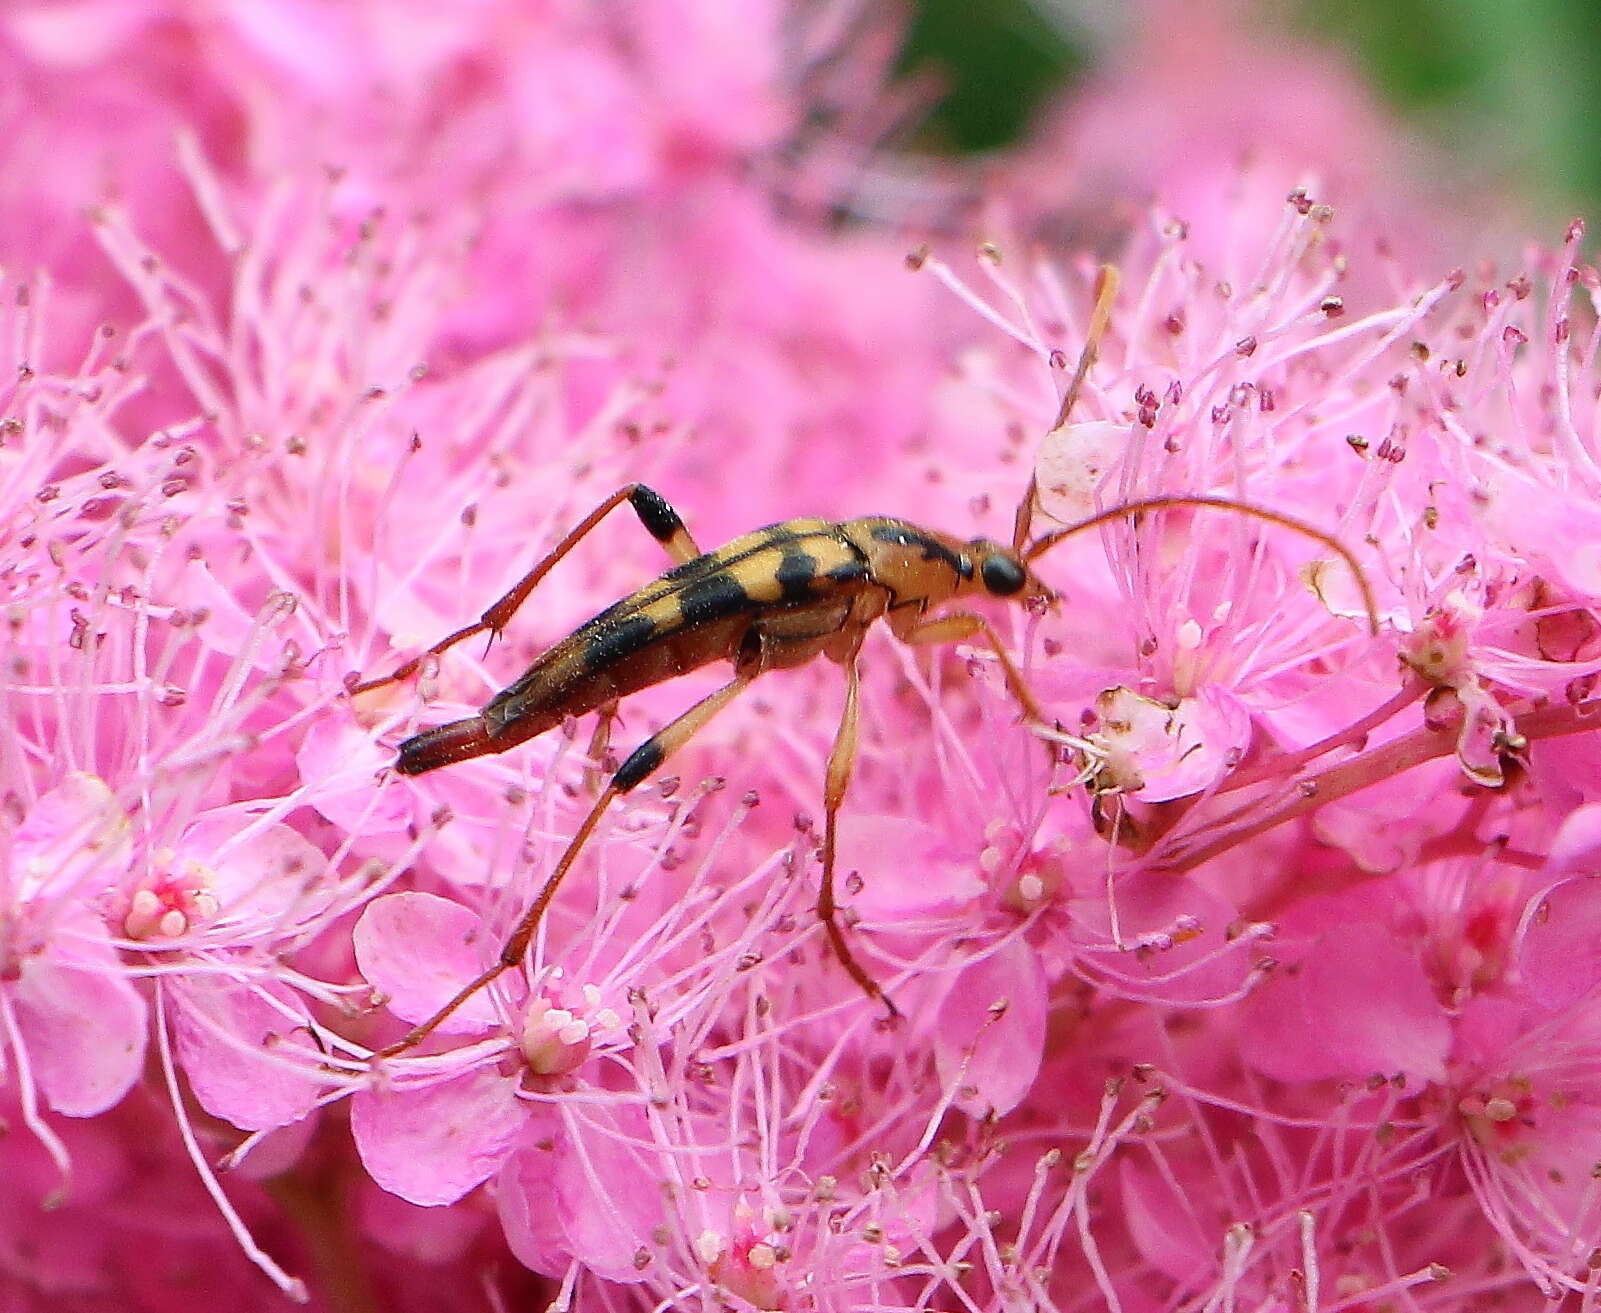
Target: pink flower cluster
1264	976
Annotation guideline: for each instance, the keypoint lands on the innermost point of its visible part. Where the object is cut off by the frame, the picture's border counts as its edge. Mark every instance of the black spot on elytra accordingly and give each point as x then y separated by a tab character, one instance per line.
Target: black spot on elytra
613	641
716	597
796	570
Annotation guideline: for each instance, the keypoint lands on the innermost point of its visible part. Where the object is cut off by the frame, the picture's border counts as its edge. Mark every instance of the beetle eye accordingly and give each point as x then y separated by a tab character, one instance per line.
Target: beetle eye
1002	575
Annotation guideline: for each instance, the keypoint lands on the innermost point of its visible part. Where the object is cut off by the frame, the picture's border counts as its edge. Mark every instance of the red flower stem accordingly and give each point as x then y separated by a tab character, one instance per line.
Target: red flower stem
1423	744
1410	691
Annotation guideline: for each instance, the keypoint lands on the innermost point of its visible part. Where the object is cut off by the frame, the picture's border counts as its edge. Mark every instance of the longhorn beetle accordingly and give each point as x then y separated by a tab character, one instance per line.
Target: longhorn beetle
772	599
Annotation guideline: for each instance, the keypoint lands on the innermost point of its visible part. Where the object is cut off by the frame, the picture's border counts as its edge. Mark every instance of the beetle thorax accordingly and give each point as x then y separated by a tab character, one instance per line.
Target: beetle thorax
915	564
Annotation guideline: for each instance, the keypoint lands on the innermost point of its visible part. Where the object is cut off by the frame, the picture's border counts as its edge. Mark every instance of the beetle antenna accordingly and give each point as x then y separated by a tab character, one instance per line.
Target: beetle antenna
1106	281
1129	509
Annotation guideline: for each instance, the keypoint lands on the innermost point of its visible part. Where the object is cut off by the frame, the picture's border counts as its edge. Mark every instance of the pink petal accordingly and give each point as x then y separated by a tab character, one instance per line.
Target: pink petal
341	765
417	950
573	1190
1179	931
1576	526
583	120
1488	1029
1559	956
268	873
1382	829
1359	1004
1005	1046
277	1151
226	1035
1170	752
74	834
1484	726
704	56
1577	846
924	876
229	627
74	36
523	1191
1305	709
316	48
1568	770
432	1145
606	1197
83	1024
1163	1225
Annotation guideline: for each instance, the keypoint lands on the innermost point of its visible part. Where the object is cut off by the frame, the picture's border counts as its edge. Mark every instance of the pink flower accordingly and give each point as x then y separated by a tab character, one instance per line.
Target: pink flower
1260	975
75	1027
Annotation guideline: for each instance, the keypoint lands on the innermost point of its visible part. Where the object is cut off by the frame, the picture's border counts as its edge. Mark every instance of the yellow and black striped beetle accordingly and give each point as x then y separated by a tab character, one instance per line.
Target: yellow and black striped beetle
776	598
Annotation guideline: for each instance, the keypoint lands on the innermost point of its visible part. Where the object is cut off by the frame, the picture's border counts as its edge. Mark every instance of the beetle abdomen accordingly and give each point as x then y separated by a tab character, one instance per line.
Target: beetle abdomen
693	615
444	745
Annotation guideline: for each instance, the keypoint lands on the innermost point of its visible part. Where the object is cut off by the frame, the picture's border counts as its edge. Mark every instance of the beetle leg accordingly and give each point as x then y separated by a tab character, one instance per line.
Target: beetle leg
511	954
641	764
661	521
599	741
953	627
840	762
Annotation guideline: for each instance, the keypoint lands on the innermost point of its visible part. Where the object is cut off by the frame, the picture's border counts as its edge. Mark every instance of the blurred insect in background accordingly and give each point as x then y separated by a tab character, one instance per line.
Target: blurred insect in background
772	599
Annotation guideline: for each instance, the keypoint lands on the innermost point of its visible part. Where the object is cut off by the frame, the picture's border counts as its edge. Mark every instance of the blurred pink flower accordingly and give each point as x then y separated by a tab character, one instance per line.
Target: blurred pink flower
1276	990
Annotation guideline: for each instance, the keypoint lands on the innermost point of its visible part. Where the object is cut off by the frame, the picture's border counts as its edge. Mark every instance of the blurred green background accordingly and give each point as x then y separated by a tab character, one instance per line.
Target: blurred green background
1510	88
